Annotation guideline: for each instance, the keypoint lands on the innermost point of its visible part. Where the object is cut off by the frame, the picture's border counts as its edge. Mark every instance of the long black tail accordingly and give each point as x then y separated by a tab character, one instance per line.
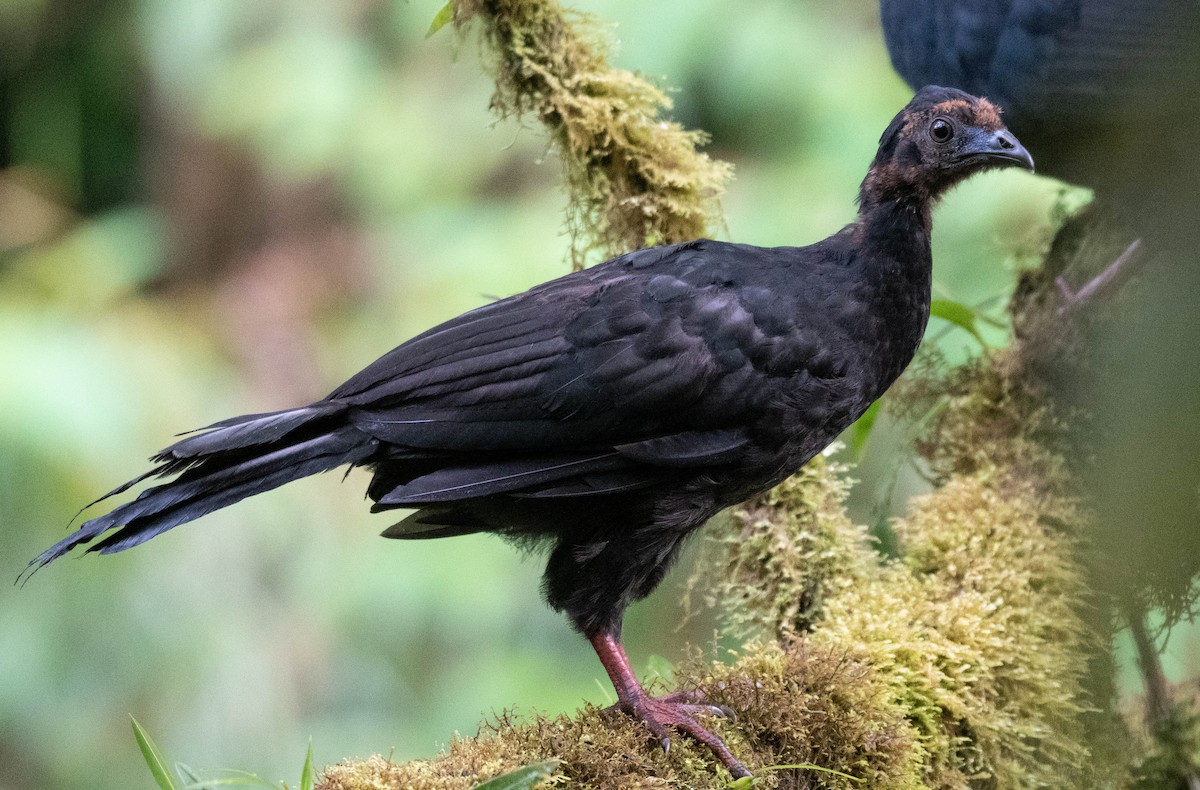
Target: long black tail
223	464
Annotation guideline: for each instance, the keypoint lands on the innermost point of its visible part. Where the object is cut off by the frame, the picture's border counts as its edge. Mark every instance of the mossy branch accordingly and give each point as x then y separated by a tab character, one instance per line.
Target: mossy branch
634	177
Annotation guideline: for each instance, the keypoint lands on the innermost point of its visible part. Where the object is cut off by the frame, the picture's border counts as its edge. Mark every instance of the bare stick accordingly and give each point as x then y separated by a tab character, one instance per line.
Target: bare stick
1072	299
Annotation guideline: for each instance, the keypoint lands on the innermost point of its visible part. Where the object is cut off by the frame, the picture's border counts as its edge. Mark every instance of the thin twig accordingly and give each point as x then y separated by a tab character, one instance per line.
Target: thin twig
1088	290
1159	708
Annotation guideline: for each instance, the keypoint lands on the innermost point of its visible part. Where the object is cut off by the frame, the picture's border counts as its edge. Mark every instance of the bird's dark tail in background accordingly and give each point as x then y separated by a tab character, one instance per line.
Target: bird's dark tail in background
218	466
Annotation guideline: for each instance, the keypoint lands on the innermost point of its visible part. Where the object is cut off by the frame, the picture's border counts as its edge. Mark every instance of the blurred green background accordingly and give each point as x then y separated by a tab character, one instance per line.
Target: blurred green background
212	207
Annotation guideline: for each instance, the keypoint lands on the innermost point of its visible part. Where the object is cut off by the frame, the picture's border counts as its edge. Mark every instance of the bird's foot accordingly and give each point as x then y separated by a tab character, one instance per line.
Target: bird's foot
661	714
677	711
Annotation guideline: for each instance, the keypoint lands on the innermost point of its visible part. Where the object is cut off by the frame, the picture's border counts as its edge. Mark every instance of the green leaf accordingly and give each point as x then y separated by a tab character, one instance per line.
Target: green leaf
745	783
860	431
811	767
444	17
153	757
958	314
306	773
524	778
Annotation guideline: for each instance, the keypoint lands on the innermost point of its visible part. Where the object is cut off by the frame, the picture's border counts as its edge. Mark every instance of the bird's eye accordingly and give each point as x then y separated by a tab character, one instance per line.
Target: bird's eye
941	130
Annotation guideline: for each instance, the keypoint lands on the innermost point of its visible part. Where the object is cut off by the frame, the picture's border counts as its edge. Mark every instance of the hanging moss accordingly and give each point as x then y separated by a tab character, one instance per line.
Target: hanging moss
634	177
788	552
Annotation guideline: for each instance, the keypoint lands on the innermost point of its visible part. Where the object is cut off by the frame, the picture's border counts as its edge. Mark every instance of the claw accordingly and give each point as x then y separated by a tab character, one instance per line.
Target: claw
674	710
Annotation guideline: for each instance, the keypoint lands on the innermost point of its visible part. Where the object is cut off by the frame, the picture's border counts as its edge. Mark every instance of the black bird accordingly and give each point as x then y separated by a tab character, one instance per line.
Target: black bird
609	413
1106	91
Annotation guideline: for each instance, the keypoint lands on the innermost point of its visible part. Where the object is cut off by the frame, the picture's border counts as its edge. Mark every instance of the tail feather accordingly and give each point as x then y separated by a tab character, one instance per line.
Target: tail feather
222	471
249	430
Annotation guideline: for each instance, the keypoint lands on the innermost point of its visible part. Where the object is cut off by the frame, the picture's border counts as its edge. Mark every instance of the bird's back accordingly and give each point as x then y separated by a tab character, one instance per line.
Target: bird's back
706	364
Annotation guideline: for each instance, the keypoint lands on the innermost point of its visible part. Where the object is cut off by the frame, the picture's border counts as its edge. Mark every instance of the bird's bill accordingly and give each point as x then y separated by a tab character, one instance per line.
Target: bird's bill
999	147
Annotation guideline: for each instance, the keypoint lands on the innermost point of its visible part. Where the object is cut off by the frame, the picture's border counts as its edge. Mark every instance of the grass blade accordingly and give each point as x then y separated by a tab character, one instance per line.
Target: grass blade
186	774
306	773
524	778
811	767
153	757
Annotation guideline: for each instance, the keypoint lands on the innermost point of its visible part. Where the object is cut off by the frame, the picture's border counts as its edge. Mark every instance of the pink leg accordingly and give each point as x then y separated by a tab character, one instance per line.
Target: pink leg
657	713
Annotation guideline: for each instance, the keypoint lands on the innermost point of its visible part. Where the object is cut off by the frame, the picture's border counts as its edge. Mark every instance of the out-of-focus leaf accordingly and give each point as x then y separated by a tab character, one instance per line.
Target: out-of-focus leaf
153	757
860	431
189	777
745	783
958	314
441	20
236	779
526	777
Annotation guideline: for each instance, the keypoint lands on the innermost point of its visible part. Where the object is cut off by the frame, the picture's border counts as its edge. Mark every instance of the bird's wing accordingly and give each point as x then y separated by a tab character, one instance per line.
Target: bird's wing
657	359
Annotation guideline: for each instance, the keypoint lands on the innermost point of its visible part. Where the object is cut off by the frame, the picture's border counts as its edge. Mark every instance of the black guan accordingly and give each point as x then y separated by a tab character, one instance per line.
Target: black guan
609	413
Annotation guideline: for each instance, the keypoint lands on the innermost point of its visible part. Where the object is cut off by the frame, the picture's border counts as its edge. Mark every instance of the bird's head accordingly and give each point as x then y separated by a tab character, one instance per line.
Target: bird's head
940	138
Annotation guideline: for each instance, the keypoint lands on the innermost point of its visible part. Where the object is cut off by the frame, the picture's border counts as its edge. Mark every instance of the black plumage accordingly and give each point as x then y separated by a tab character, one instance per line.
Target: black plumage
609	413
1106	91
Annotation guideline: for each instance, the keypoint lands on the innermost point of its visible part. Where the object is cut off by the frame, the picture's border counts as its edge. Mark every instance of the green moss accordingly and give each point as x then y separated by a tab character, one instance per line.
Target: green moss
788	552
974	635
635	178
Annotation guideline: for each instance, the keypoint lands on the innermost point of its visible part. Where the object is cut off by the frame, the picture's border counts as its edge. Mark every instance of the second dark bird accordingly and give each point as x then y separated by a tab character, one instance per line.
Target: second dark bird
608	414
1106	91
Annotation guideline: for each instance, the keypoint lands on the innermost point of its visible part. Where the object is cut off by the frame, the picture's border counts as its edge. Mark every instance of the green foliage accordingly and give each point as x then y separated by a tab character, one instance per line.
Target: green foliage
1172	754
443	17
524	778
957	314
317	628
792	550
307	774
860	431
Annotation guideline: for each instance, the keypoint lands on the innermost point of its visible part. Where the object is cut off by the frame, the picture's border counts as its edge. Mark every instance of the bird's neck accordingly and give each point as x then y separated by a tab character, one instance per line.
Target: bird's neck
896	230
894	250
